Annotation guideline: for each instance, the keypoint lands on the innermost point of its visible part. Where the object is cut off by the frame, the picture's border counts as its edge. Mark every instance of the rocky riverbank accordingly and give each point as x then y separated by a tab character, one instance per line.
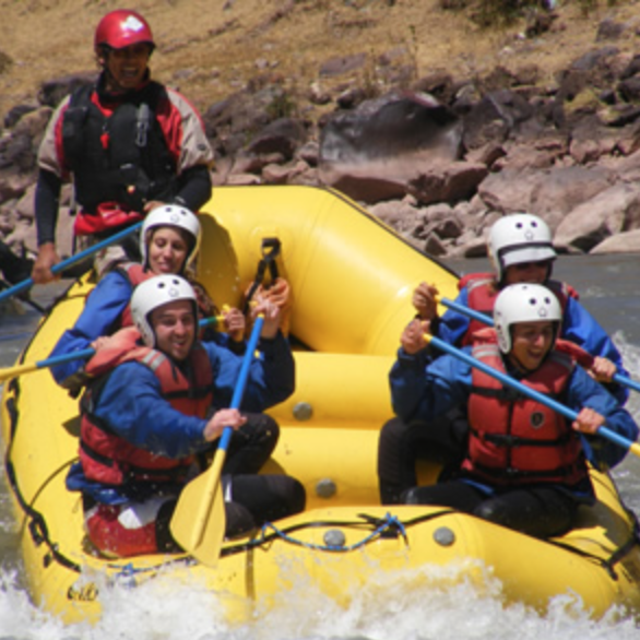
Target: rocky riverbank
438	157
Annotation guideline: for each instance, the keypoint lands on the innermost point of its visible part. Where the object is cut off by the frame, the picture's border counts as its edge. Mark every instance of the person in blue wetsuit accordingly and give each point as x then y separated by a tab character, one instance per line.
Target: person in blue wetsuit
521	249
157	399
169	243
525	466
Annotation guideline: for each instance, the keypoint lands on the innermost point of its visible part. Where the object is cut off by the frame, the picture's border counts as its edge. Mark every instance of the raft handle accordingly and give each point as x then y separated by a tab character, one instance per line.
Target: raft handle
35	529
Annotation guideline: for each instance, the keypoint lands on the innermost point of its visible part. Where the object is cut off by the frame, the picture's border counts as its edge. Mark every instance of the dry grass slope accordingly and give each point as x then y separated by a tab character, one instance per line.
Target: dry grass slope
210	48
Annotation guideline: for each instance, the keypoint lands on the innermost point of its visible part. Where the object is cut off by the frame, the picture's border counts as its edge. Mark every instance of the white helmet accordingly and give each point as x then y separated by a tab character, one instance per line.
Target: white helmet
172	215
523	303
156	292
517	238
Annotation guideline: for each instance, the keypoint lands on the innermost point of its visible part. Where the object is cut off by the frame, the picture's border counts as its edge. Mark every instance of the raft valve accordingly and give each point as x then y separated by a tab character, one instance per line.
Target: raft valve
326	488
444	536
334	538
302	411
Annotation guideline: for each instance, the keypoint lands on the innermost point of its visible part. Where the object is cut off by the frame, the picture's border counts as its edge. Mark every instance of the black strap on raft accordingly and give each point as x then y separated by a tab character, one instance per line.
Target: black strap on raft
270	251
374	528
608	564
37	525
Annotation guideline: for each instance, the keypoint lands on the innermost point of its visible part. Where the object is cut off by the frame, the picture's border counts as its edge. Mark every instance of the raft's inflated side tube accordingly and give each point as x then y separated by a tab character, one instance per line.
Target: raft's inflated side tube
352	277
349	391
340	399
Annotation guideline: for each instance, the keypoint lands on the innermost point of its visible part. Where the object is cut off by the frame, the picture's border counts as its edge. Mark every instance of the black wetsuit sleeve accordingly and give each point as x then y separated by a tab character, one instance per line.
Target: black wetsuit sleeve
47	202
195	187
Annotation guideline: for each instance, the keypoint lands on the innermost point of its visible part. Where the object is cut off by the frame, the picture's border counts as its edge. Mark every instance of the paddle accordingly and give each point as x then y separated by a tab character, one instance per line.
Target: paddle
77	257
198	523
13	372
481	317
606	433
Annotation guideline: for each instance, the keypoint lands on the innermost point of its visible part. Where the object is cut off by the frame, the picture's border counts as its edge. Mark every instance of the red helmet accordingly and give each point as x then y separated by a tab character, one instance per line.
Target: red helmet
121	28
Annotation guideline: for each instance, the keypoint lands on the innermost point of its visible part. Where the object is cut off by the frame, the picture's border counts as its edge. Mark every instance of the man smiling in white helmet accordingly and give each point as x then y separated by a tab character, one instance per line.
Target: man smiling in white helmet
525	465
157	398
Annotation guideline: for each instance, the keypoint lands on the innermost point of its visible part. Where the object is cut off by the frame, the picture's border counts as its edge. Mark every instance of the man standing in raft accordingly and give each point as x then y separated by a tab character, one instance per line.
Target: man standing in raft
130	143
521	249
525	466
158	398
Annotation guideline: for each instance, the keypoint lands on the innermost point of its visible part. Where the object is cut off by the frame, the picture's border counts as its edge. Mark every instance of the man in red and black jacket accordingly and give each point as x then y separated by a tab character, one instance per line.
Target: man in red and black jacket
129	142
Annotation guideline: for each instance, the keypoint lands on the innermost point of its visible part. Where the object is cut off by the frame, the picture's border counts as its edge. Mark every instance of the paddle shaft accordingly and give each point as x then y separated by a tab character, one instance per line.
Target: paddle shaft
531	393
77	257
82	354
481	317
206	505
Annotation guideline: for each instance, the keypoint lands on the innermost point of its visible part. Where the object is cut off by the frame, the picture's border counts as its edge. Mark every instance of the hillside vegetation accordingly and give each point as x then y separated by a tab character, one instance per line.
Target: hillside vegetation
211	48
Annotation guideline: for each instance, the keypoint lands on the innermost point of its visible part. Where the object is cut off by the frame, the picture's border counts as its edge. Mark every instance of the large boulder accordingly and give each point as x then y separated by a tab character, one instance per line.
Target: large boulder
373	152
610	212
282	136
448	182
496	117
549	193
395	125
230	123
626	242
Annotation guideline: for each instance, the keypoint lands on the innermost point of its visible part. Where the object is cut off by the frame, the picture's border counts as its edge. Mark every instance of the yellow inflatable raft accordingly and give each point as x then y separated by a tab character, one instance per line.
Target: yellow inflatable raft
352	279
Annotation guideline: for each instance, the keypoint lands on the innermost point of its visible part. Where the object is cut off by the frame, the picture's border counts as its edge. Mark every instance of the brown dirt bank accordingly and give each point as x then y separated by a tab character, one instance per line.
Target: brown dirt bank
210	48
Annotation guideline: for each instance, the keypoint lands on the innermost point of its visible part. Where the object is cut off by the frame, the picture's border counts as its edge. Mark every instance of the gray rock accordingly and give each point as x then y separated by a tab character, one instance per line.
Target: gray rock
53	91
389	127
625	242
341	65
447	182
610	212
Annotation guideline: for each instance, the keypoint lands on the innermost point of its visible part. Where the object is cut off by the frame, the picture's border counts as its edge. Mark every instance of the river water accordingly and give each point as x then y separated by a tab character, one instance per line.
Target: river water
609	289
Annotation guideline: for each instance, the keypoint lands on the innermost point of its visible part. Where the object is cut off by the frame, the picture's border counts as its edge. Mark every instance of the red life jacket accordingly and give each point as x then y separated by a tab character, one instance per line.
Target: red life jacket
110	459
482	291
513	439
